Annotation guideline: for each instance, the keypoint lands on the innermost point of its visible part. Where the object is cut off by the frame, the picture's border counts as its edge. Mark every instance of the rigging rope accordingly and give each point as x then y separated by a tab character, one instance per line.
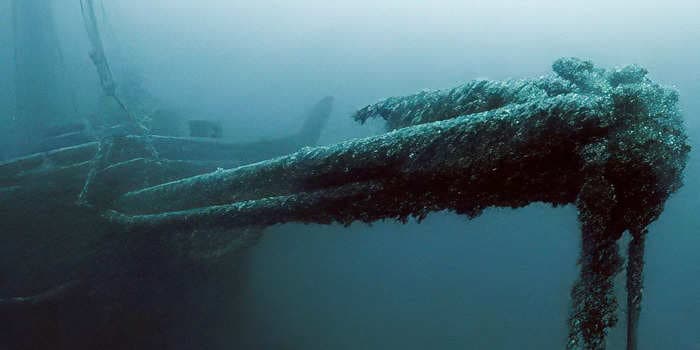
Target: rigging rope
99	59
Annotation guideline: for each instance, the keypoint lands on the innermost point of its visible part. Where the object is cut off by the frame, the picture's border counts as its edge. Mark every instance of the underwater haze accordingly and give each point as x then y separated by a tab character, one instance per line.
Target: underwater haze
500	281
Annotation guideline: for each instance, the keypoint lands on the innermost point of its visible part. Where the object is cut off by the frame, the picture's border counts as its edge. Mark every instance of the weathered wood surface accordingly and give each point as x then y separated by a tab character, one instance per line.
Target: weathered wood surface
465	164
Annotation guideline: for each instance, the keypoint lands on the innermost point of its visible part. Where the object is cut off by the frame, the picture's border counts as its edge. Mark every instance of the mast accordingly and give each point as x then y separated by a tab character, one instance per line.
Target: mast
99	59
97	54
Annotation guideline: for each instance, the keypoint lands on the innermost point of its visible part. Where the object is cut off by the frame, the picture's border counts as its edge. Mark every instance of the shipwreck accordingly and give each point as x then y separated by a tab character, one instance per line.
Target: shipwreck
85	213
610	142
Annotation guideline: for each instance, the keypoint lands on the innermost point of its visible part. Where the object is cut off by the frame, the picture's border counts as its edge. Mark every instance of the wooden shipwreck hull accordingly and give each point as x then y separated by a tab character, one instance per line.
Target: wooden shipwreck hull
610	142
51	202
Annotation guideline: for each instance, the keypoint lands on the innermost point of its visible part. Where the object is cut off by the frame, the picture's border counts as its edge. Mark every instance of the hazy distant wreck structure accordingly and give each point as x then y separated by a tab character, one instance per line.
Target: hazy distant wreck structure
41	89
610	142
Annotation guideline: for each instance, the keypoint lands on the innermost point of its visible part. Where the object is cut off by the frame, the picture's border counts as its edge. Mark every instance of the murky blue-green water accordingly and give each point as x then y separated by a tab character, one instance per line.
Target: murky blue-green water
501	281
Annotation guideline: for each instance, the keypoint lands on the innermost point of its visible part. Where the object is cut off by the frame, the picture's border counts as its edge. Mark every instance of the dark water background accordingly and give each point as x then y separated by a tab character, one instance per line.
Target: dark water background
501	281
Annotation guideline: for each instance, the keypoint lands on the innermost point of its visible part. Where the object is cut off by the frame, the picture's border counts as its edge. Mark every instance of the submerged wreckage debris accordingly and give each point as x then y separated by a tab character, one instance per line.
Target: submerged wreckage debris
609	141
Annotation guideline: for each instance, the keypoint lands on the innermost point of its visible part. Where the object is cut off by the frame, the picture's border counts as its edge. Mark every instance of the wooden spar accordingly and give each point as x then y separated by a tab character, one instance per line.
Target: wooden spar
97	54
452	159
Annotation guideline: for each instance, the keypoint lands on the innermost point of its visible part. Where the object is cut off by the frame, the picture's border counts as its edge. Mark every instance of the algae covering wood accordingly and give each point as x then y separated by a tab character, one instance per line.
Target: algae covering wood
611	142
444	164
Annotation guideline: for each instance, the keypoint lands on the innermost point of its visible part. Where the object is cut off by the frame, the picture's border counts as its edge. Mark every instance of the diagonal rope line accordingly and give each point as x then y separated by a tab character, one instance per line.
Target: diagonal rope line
108	84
